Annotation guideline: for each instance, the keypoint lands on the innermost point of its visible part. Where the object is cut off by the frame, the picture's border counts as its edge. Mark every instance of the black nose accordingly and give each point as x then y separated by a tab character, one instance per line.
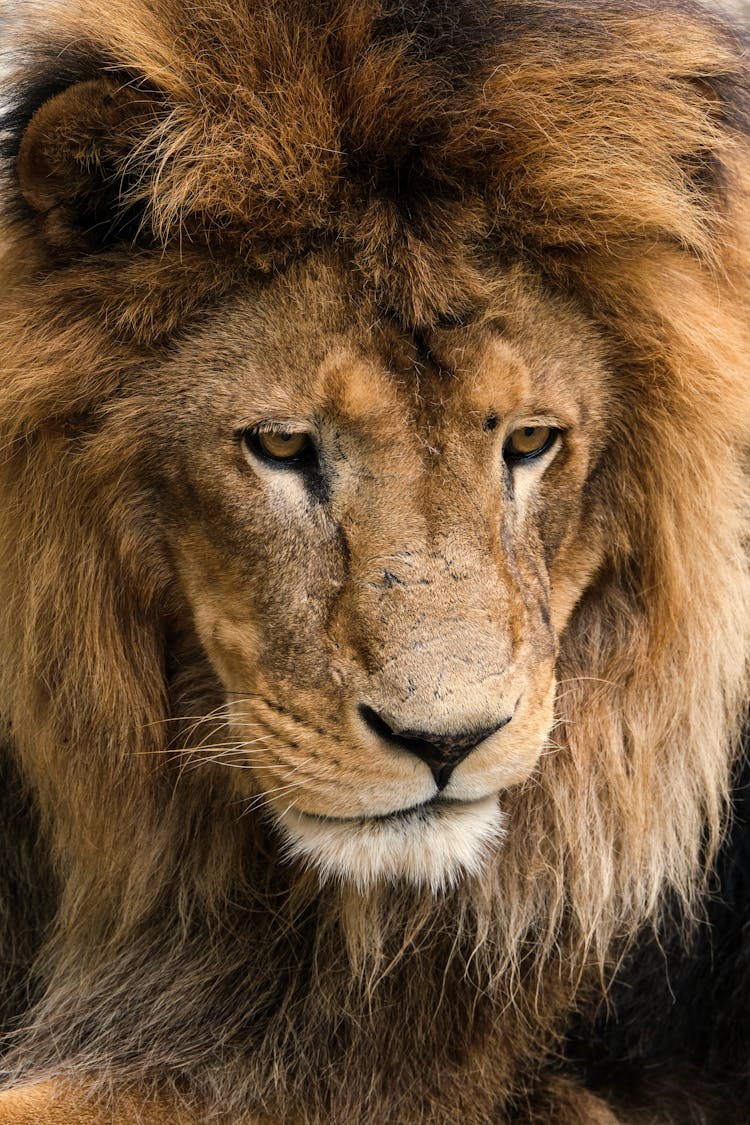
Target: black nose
441	752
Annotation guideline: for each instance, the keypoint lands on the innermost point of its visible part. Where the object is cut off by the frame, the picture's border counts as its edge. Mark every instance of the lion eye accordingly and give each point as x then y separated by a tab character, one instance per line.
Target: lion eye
528	442
278	445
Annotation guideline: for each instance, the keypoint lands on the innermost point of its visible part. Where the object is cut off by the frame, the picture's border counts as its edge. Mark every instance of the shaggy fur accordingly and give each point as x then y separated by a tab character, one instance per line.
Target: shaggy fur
677	1020
185	194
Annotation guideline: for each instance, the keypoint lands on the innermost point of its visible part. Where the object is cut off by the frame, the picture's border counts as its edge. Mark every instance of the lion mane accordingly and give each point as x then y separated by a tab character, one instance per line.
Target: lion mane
156	157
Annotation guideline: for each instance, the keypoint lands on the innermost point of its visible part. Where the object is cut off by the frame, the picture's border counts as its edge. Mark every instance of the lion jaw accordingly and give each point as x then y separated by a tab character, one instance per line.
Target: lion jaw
430	845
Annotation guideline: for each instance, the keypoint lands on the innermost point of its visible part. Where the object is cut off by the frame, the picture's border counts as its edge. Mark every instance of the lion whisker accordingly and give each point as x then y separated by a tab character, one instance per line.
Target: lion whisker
588	679
199	749
259	798
221	761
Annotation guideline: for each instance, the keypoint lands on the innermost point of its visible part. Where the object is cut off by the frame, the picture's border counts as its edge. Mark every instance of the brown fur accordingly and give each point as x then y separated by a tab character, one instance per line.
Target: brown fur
68	1104
416	226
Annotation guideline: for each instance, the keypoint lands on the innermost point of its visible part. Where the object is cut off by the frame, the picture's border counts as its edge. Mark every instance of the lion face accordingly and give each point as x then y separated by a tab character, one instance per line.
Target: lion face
374	544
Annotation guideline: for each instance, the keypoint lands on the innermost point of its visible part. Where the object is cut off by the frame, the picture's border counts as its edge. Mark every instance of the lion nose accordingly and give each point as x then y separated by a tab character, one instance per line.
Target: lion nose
441	752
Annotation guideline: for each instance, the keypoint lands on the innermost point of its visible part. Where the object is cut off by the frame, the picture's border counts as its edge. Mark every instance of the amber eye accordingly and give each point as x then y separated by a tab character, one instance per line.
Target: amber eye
528	442
279	445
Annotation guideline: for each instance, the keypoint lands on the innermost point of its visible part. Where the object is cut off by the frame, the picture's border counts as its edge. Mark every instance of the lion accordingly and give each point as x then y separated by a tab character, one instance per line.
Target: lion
375	402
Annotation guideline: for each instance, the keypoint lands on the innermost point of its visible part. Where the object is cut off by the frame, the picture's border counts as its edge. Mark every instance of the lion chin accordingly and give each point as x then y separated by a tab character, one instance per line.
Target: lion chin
430	845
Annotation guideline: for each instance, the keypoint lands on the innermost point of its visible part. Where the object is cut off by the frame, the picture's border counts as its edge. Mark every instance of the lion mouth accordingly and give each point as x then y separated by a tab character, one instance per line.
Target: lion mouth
432	844
423	807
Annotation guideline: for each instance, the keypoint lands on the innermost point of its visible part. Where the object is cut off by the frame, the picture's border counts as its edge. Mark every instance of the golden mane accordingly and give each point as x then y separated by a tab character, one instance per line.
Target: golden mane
606	149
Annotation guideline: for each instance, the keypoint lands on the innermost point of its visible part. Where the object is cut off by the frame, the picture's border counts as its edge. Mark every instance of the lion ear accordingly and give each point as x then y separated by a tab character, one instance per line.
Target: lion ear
74	166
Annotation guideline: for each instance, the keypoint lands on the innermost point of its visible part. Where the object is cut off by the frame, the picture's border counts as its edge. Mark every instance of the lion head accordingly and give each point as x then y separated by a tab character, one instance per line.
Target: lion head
375	403
379	547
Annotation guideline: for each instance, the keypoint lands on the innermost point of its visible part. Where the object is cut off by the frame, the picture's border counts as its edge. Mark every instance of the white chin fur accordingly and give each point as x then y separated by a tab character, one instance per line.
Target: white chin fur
433	845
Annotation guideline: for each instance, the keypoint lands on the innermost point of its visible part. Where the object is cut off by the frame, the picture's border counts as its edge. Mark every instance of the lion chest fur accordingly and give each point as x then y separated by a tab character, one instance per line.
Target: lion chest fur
374	399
